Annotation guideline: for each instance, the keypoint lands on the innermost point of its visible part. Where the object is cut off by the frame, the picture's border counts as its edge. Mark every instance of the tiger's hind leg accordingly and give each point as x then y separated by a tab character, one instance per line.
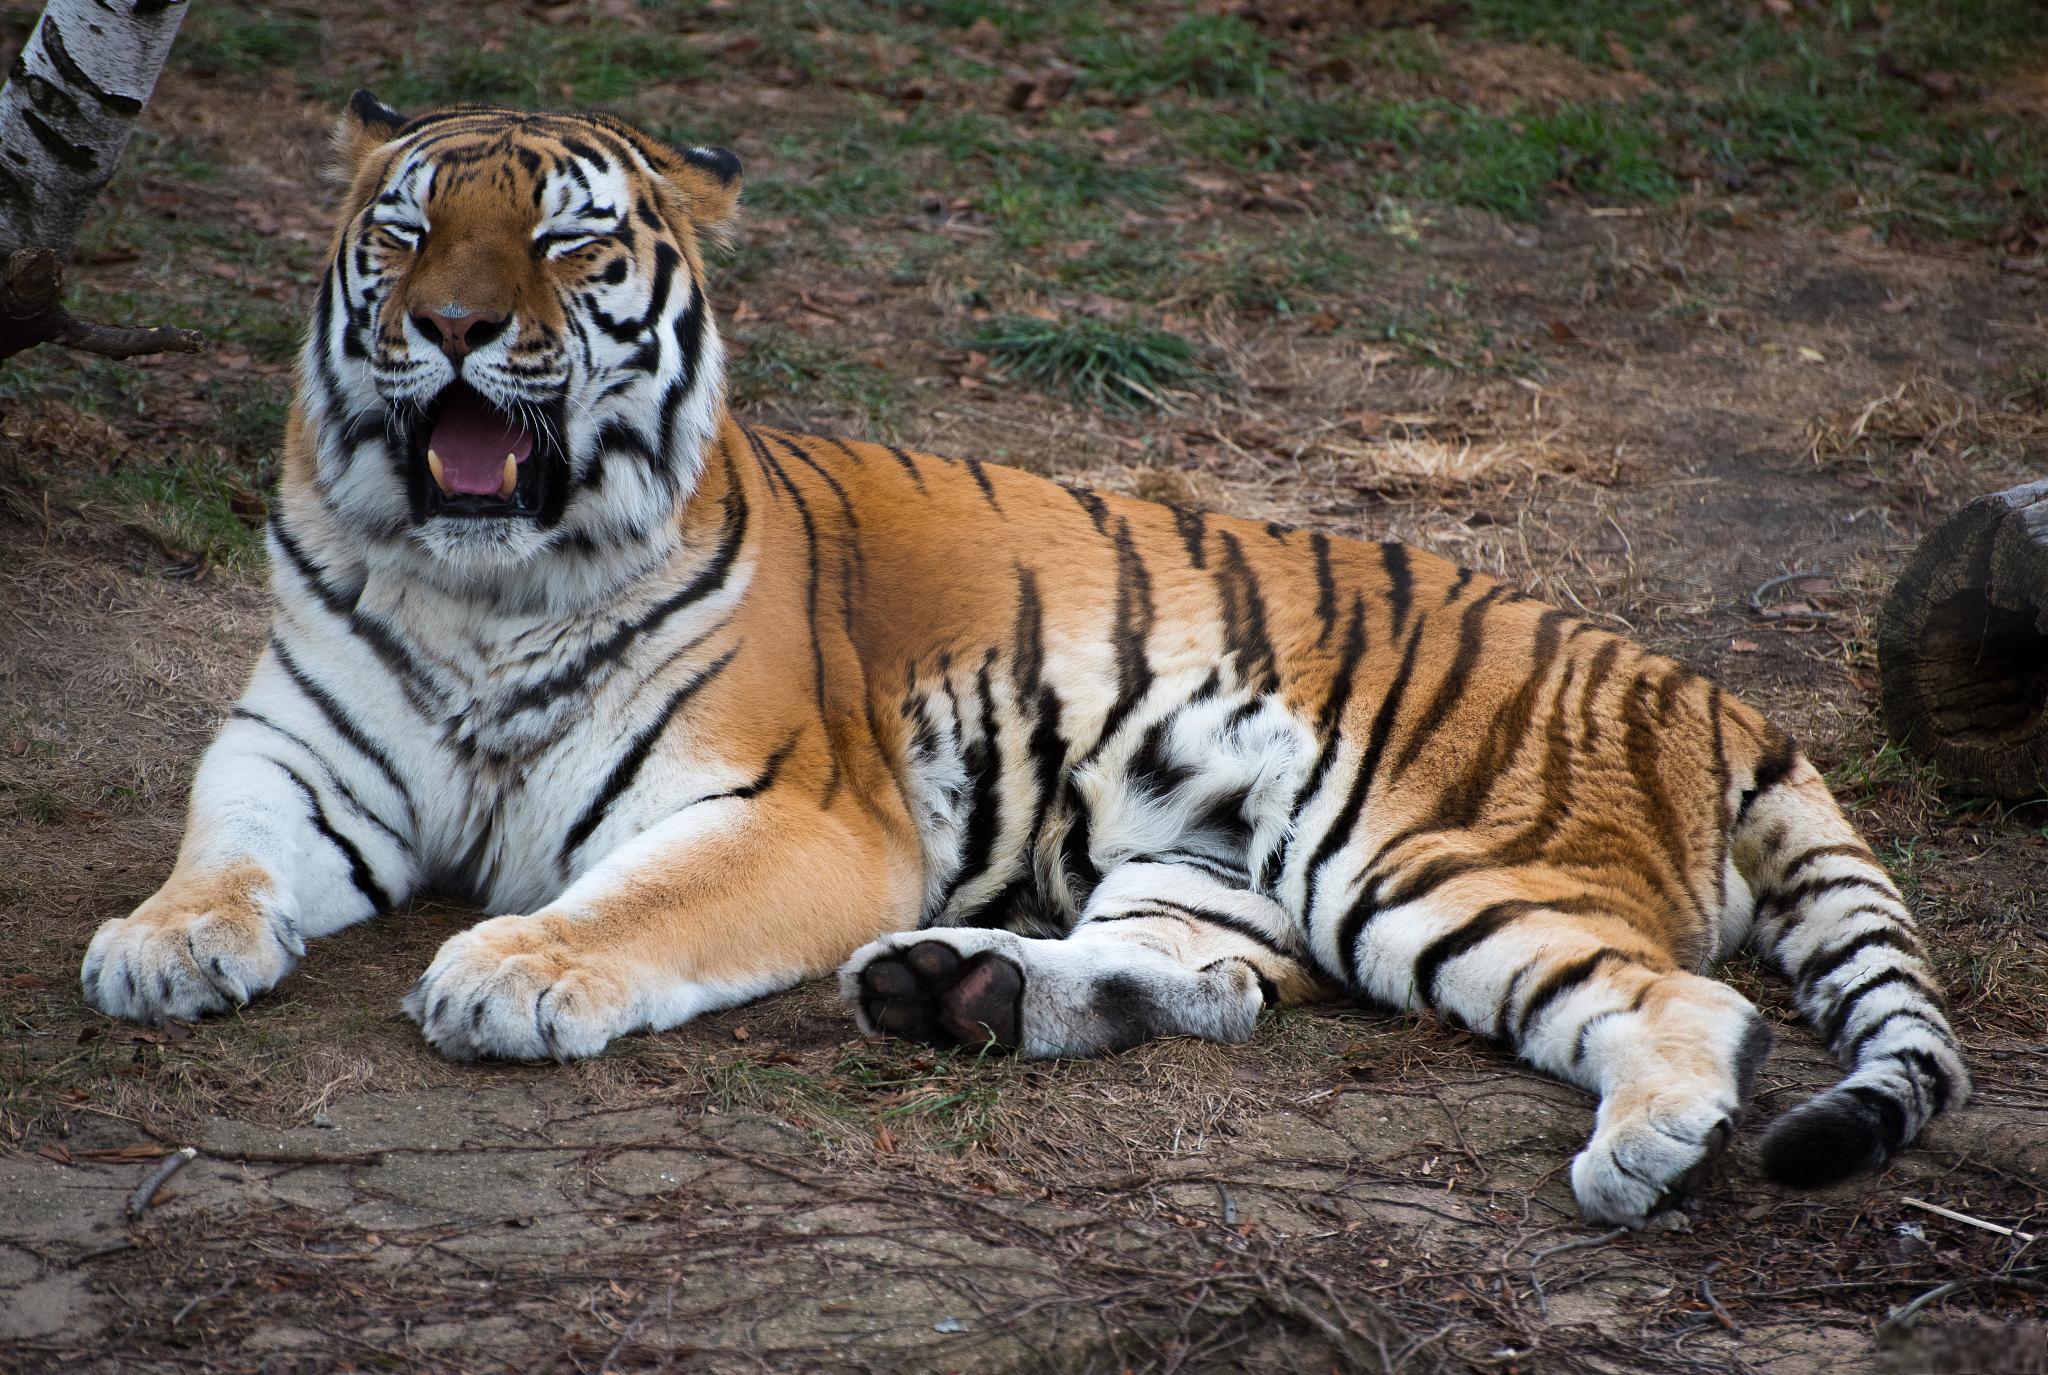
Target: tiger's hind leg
1588	998
1161	949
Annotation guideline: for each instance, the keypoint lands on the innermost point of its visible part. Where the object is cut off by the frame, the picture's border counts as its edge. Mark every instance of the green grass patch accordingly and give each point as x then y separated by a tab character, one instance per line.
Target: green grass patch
530	65
1207	55
1889	769
1293	271
214	39
187	506
784	373
1120	365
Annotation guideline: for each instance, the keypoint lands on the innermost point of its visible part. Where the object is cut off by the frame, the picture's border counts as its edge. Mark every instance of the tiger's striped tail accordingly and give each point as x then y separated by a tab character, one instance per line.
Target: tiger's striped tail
1831	921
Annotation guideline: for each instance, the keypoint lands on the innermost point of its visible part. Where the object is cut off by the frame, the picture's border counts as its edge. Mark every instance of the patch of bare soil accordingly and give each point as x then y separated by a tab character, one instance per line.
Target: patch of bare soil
1502	76
1645	417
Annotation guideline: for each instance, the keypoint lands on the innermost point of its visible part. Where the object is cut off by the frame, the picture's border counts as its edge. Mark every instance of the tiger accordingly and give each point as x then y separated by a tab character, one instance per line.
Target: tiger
703	709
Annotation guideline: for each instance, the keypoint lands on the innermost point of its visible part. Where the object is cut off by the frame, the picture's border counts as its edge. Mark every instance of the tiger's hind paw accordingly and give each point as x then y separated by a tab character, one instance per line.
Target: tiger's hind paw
931	992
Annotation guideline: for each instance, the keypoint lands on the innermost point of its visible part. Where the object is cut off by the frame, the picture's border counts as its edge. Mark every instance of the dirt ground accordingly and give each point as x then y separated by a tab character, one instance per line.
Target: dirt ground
1645	411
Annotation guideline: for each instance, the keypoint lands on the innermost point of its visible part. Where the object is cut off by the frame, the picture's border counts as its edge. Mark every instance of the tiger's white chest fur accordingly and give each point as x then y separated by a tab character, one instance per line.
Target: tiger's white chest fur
506	724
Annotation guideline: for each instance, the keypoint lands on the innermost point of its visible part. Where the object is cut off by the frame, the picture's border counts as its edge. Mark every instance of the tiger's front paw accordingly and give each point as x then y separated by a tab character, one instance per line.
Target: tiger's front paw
512	988
1651	1158
204	943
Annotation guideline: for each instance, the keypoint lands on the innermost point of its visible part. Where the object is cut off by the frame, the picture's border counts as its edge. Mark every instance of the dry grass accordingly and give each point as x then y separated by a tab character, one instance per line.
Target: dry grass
1919	418
1440	466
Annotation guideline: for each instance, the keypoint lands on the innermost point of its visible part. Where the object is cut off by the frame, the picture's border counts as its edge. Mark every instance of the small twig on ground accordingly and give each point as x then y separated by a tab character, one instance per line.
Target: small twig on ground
1229	1207
604	1367
90	1256
1720	1313
145	1193
1575	1244
1901	1318
1953	1216
1769	585
219	1293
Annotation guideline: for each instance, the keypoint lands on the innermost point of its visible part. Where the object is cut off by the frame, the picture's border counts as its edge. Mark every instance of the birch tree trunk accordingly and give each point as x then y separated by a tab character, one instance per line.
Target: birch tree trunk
70	102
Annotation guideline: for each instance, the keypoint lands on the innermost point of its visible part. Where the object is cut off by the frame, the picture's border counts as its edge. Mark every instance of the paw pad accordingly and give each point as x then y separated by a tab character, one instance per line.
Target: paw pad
928	992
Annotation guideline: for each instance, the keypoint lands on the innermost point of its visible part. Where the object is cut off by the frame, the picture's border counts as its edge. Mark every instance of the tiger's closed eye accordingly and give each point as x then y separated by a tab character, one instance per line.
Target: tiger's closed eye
404	235
557	243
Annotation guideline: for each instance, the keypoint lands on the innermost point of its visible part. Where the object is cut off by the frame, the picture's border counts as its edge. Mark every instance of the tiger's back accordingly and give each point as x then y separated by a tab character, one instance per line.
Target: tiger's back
1452	796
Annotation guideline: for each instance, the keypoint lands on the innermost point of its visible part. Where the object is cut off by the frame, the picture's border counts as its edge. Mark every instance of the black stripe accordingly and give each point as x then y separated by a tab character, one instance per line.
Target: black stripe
1156	907
1400	584
909	465
1451	687
1460	939
371	631
1565	979
845	448
984	760
1845	1010
628	767
1326	585
1780	757
803	510
1586	1028
1224	872
1852	1053
988	489
359	871
1820	852
1800	894
709	578
838	489
1340	827
761	782
1048	751
1193	527
1094	505
1461	803
1602	668
310	573
1929	1068
1244	618
1150	771
1641	733
334	780
1329	727
1130	634
1821	963
344	725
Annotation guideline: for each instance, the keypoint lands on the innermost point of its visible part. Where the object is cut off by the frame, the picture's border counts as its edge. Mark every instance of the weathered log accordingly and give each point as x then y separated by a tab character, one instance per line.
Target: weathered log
1962	646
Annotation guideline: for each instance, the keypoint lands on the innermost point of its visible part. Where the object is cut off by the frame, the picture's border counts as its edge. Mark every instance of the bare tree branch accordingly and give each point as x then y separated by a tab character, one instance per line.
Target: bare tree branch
31	313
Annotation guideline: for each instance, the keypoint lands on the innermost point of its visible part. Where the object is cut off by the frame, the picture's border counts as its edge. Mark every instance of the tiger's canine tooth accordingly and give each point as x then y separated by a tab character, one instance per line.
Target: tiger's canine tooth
434	467
511	477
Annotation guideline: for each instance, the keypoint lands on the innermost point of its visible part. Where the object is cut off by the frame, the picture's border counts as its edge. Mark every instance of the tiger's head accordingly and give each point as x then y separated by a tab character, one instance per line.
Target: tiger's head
511	351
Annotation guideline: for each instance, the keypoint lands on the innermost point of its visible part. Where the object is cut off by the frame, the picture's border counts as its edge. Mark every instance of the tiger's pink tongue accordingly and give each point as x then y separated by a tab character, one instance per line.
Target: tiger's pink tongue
471	439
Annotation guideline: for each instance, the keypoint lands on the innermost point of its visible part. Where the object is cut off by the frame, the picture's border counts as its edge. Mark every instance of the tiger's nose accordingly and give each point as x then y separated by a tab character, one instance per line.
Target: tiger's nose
459	332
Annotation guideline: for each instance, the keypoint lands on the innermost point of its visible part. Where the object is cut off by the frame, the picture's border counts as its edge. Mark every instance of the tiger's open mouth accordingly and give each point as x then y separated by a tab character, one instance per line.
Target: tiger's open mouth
468	459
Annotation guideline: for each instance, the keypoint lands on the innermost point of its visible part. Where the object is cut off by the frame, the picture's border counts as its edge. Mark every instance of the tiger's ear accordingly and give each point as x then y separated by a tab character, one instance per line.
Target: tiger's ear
708	180
364	127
